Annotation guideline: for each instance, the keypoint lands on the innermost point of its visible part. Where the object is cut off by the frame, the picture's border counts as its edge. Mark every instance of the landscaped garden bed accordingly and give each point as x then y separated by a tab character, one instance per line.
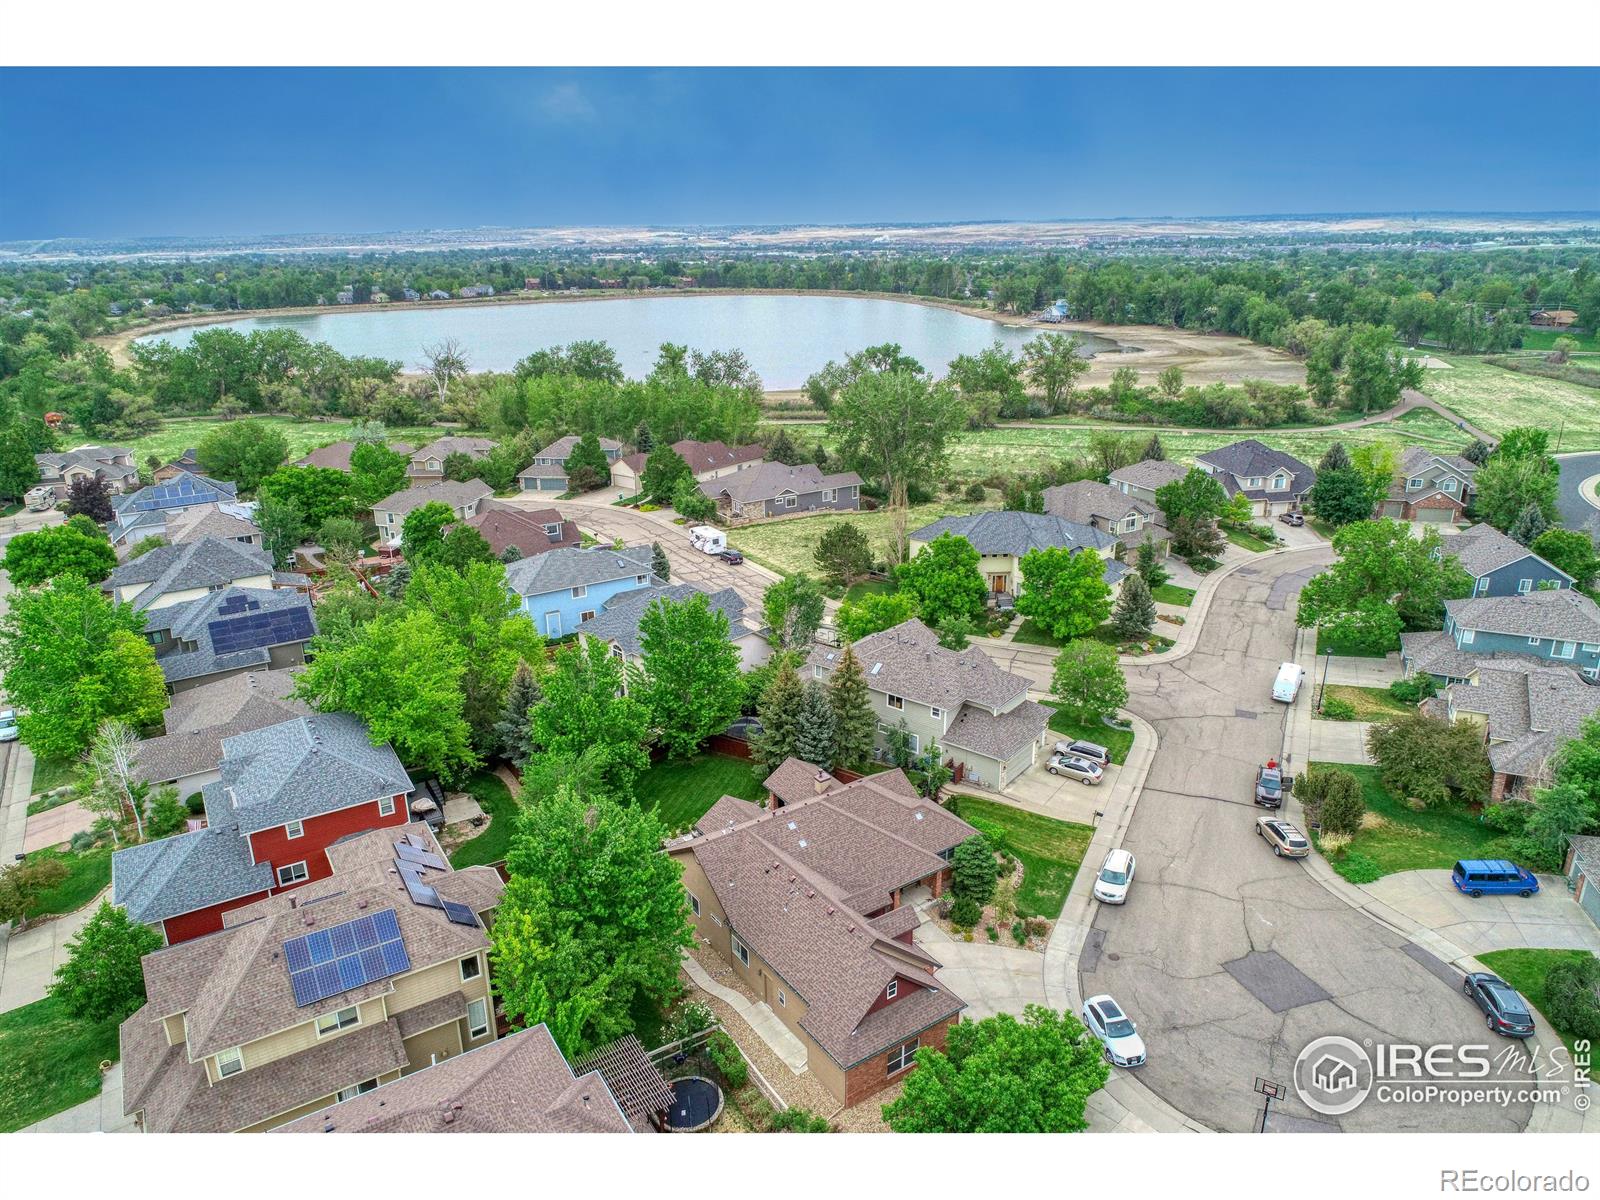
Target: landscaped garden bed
1049	852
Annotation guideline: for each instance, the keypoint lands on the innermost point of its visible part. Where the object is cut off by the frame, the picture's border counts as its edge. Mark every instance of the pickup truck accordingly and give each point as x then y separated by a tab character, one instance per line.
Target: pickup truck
1271	785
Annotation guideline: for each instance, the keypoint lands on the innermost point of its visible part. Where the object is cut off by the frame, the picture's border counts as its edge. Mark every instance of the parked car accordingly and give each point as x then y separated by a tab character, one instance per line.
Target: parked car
1115	878
1507	1013
1081	769
1114	1030
8	725
1271	785
1495	876
732	557
1088	751
1293	518
1286	841
1287	685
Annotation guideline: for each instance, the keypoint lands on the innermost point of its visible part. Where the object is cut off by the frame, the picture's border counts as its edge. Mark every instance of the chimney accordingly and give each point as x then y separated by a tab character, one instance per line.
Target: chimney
821	782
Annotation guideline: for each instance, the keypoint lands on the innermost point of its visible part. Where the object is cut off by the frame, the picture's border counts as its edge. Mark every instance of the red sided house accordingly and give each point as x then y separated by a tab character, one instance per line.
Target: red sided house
286	793
809	904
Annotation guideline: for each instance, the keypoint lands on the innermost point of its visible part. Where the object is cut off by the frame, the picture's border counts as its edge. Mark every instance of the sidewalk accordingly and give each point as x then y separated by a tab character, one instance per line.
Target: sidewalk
758	1016
102	1114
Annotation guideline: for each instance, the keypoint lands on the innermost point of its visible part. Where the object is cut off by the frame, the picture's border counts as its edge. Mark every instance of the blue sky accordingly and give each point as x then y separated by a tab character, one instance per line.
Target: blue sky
197	152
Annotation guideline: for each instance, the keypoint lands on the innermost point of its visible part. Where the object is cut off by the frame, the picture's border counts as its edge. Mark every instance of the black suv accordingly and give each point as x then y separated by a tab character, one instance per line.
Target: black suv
1507	1013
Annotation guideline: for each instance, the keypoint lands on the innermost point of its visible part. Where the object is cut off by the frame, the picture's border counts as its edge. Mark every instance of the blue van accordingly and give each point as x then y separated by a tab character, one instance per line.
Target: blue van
1496	876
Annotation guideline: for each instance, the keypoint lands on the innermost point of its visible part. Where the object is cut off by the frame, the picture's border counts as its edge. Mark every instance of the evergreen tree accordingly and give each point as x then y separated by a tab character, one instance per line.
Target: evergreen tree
587	465
1529	525
1153	450
1135	614
511	730
1148	563
1477	452
783	450
643	440
779	713
815	738
659	563
854	723
1336	459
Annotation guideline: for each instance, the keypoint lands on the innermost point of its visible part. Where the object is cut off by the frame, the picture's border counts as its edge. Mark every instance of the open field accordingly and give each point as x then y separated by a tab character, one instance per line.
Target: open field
787	545
1497	400
181	433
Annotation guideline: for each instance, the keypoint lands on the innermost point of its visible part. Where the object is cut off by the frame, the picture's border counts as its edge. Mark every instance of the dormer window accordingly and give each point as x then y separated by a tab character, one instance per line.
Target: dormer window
1279	482
1414	484
1448	483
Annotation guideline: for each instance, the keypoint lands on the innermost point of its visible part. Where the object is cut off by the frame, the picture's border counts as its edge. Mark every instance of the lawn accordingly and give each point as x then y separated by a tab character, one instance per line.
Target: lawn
788	545
88	874
1525	970
681	790
1031	634
1394	838
49	1061
179	434
52	773
1247	540
1171	593
1545	339
869	587
46	803
1349	647
1116	741
1496	399
1050	850
1371	704
496	800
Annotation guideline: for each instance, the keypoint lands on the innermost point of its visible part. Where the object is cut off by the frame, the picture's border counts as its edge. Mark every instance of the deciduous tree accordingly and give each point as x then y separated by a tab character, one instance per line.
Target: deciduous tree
21	885
422	531
1340	496
1054	366
283	527
1571	551
688	677
1088	680
1195	538
32	558
1196	495
664	470
376	472
874	612
1507	486
1431	761
584	708
242	452
944	580
103	977
793	609
90	497
321	492
1383	569
1064	592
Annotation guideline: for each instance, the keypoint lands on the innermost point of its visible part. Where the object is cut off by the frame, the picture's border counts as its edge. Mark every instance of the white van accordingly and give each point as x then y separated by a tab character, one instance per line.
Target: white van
708	539
1287	685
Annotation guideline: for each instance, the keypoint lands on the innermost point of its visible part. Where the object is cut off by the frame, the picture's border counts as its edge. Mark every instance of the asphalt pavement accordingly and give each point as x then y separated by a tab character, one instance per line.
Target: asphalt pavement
1576	512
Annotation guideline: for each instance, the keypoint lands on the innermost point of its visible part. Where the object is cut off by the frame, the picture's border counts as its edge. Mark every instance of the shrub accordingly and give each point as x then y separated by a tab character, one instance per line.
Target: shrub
965	912
729	1062
195	802
81	841
1038	926
975	493
798	1120
1019	933
1570	999
973	872
1358	868
1511	817
1414	690
1336	709
994	934
690	1018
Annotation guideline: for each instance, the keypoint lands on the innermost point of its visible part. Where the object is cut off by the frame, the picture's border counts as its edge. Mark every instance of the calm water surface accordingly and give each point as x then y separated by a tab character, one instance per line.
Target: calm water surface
786	338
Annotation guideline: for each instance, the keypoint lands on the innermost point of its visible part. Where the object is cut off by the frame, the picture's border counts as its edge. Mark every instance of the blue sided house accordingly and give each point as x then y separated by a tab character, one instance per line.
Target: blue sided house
1558	626
1502	566
561	589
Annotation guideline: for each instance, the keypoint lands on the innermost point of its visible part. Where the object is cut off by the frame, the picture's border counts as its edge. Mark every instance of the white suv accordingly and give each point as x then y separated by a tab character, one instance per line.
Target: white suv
8	725
1114	1030
1115	878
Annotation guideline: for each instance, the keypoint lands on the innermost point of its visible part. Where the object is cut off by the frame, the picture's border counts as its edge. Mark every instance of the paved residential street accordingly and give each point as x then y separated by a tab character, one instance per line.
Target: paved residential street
1231	959
1576	512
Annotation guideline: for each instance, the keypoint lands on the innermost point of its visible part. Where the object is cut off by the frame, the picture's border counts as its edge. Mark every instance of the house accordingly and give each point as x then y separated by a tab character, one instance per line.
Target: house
1142	479
1582	869
187	463
411	295
1429	487
438	294
1559	627
223	633
1553	318
519	1084
142	514
305	1000
1003	538
284	795
1110	510
617	623
463	499
813	907
1273	481
527	531
776	490
345	296
188	755
172	574
795	780
980	716
1502	566
476	290
561	589
427	462
548	471
336	455
707	461
225	522
1526	712
58	469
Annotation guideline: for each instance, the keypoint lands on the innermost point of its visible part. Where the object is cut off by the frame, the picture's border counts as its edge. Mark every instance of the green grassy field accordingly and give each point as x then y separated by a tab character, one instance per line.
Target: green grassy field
1349	648
1371	704
1116	741
1545	339
1171	593
681	790
1050	851
181	433
1496	400
495	798
49	1061
1247	540
51	773
1525	970
788	545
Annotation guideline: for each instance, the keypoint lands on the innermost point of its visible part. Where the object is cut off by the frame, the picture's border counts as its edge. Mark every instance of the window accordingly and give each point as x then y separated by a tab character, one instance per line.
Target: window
1592	672
694	904
579	592
902	1057
586	616
477	1018
350	1093
1448	484
1413	484
1563	649
916	743
790	501
1279	482
229	1062
335	1021
471	968
827	495
936	713
898	702
1481	586
552	624
816	672
294	829
386	807
1591	648
1254	481
893	990
293	873
552	531
1466	636
1533	641
1524	586
638	578
783	1001
740	950
1130	525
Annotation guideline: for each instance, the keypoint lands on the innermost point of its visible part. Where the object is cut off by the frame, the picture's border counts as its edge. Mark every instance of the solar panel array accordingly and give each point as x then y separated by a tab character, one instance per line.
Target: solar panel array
176	493
257	629
343	957
423	858
460	913
410	864
420	892
237	603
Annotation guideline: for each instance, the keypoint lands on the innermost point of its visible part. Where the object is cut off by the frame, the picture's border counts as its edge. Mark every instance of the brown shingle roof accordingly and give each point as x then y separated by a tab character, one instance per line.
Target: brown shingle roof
727	812
795	780
201	717
907	660
711	456
337	455
503	526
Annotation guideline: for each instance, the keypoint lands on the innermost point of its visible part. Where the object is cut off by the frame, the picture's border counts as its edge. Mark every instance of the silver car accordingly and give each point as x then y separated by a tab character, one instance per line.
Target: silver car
8	725
1084	771
1088	751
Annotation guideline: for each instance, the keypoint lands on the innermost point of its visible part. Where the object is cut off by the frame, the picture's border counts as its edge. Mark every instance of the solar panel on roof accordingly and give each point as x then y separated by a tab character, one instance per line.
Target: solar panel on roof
459	913
420	892
345	956
421	857
256	630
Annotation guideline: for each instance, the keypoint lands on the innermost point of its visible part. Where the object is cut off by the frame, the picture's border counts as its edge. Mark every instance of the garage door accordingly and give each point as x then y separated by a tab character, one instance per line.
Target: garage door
1591	900
1436	514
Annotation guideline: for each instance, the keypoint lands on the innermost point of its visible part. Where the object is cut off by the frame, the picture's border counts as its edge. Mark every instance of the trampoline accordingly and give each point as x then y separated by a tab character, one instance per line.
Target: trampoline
696	1103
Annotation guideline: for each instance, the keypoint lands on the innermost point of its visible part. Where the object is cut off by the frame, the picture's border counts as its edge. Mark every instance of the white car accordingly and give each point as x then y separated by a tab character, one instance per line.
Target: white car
8	725
1088	751
1115	878
1114	1030
1081	769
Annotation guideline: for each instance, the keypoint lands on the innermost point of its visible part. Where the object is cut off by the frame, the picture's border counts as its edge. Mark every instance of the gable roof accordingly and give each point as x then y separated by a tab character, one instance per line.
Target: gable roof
503	526
571	567
230	522
98	459
1483	548
231	629
199	719
561	449
1150	473
177	492
336	456
1016	533
794	780
1248	459
1558	613
443	447
619	621
447	492
768	480
301	768
712	456
1530	710
1087	499
1415	458
175	875
908	660
205	562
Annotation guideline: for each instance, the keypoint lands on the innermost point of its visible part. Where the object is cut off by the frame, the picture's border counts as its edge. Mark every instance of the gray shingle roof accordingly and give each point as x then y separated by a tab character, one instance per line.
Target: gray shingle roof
176	875
561	449
773	479
571	567
200	718
997	736
1150	474
619	622
1017	532
204	562
1087	499
1587	853
1250	458
300	769
192	621
449	493
227	521
91	458
907	660
1530	710
1435	653
442	448
1564	614
1483	548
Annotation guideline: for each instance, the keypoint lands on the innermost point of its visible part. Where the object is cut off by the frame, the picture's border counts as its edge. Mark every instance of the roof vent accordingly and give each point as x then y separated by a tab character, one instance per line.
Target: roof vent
802	843
917	816
792	825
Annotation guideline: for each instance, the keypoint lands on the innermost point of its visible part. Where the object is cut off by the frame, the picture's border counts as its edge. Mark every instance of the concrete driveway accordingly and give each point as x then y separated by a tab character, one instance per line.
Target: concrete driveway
1340	741
1548	919
990	977
1060	797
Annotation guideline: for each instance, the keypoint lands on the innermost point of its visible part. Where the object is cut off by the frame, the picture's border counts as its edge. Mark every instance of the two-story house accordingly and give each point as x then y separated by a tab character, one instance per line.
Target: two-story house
776	490
463	499
336	455
1273	481
1142	479
616	626
1557	627
284	794
307	999
1500	565
706	460
187	463
527	531
427	462
1526	711
144	513
1003	538
980	716
548	471
171	575
58	469
227	522
1429	487
811	906
189	753
227	632
1110	510
561	589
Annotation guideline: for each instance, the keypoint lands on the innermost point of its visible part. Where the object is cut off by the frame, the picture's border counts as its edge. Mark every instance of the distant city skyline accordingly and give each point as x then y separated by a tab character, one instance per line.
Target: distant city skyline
130	153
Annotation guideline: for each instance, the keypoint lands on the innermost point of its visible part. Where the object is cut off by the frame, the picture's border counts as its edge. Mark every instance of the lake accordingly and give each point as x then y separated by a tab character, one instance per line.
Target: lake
785	338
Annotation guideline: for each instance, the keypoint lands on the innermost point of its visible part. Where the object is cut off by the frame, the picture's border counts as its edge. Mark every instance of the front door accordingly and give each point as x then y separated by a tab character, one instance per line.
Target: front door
997	583
552	624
